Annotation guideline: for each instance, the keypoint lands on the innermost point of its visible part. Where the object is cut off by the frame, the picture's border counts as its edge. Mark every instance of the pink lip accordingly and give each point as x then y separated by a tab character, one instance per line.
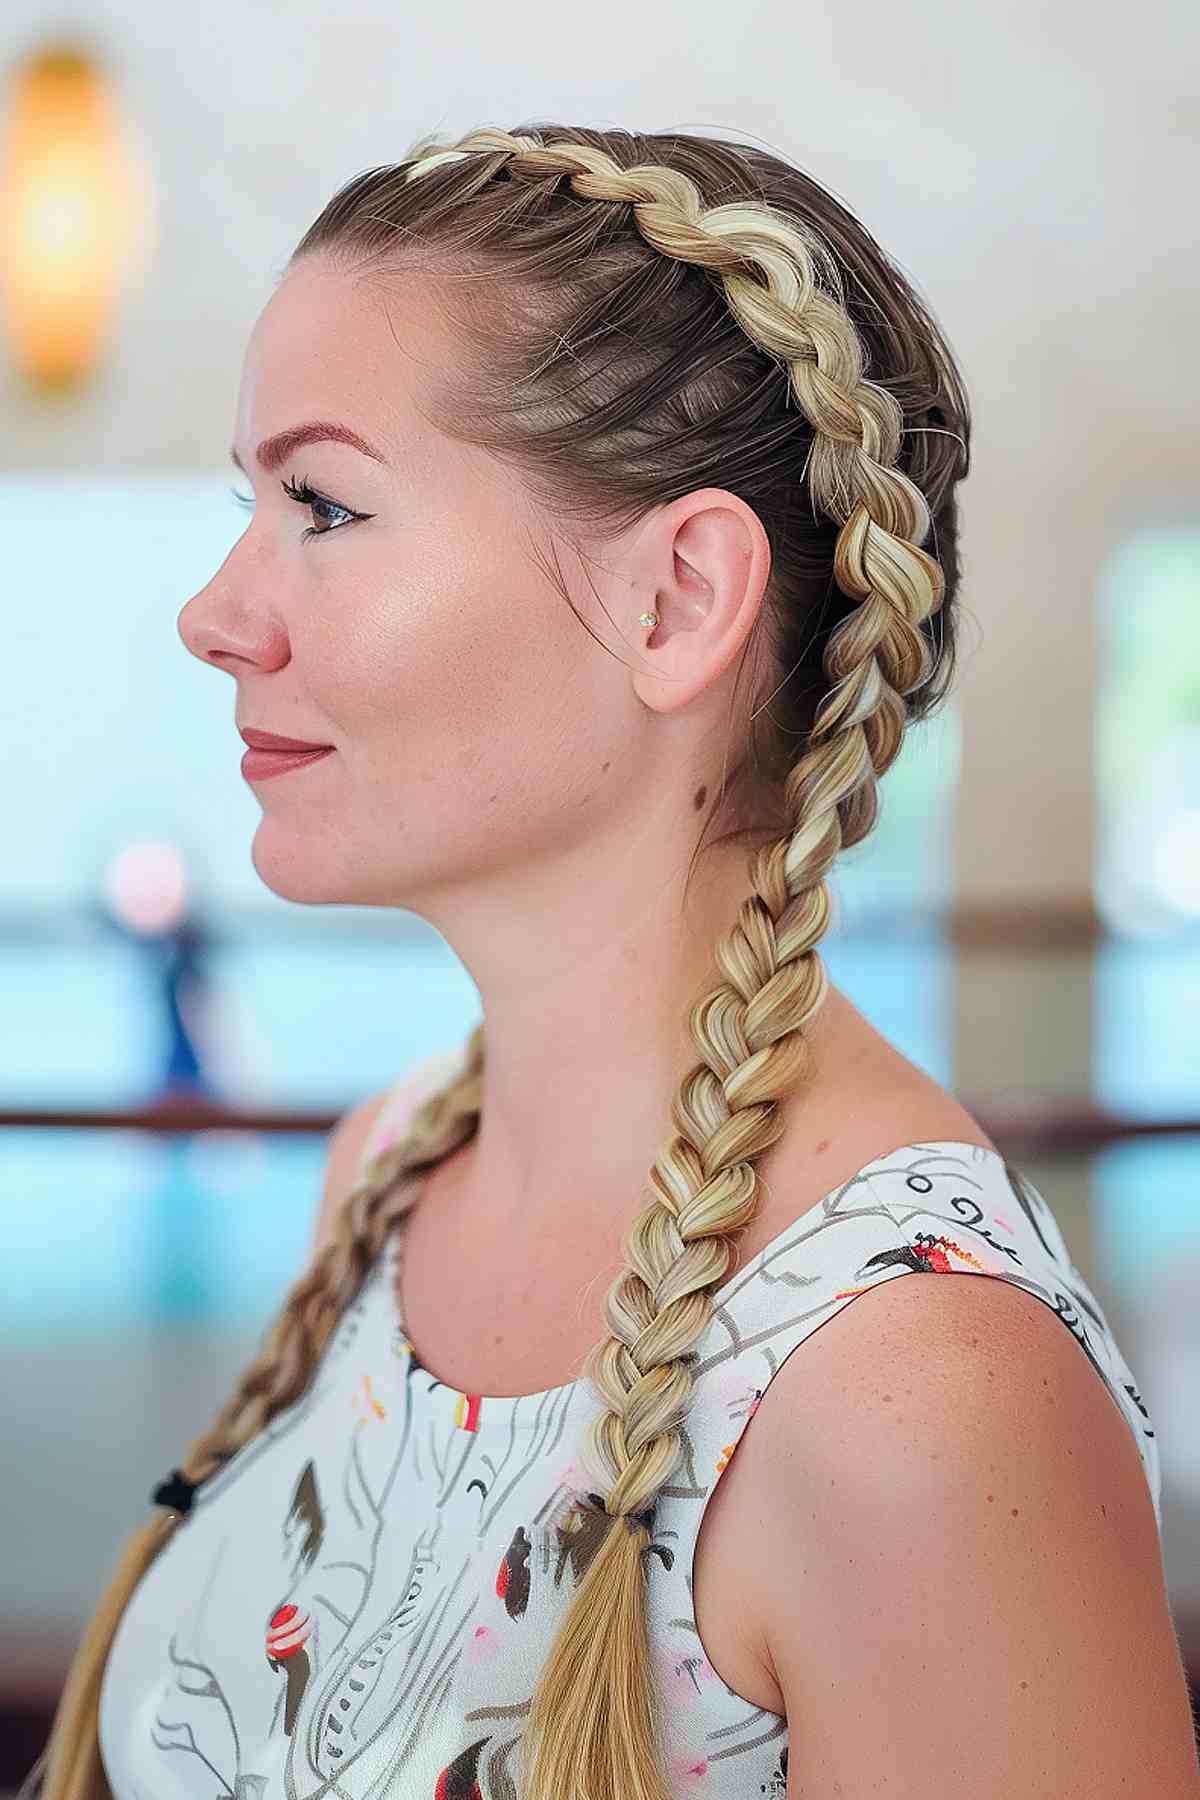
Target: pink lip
269	740
260	765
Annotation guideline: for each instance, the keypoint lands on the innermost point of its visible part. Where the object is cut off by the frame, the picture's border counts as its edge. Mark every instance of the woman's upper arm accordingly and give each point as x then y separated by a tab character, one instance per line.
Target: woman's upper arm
962	1588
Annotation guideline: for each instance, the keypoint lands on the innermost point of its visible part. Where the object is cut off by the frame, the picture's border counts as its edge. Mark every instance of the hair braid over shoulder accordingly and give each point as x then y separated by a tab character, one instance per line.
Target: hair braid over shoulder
70	1767
593	1726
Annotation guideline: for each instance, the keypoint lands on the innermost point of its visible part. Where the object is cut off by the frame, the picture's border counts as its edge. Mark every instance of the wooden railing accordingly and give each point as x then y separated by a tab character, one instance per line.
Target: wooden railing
1047	1127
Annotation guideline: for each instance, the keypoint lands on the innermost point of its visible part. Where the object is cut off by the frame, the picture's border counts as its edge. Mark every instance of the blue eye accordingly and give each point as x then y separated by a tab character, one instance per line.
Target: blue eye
305	495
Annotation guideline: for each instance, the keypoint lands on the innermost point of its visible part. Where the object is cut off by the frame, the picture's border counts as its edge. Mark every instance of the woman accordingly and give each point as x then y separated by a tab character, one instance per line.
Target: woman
445	1539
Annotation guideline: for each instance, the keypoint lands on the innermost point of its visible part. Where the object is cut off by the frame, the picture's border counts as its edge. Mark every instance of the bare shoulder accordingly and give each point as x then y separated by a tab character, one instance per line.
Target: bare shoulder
353	1133
347	1143
965	1589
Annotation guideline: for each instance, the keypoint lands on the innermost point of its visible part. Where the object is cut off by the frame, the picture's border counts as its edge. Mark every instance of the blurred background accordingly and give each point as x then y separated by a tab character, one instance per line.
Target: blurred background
1025	920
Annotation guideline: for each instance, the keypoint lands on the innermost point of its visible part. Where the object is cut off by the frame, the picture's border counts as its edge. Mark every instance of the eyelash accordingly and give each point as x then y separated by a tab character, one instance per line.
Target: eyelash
304	495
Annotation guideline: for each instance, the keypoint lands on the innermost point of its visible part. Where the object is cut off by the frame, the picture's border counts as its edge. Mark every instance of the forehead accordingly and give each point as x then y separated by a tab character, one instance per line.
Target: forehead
330	344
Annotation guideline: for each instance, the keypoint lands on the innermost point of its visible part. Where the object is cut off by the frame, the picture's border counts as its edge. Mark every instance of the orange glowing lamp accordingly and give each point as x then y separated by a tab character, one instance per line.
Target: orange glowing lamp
74	215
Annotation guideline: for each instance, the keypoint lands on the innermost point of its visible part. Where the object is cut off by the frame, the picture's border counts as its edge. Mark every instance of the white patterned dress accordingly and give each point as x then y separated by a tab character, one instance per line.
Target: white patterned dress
358	1604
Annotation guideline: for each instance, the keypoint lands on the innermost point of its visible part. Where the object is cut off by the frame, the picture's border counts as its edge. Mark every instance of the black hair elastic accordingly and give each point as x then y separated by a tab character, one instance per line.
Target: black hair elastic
176	1491
646	1517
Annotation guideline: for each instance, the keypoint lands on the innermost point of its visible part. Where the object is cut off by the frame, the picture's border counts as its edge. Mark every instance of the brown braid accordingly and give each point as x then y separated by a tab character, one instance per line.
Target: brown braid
593	1727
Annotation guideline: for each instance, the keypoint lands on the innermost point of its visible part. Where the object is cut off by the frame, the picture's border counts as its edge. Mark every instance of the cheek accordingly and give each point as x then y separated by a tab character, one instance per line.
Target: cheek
468	700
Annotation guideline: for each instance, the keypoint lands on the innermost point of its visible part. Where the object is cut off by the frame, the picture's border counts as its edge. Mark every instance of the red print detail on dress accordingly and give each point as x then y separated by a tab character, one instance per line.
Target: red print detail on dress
460	1779
932	1252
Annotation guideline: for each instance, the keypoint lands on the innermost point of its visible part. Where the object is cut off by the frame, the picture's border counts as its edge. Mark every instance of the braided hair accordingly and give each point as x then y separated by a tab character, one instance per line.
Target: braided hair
673	312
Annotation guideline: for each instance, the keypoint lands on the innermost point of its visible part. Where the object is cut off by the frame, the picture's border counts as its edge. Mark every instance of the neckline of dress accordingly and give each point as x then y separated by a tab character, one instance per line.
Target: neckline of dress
504	1407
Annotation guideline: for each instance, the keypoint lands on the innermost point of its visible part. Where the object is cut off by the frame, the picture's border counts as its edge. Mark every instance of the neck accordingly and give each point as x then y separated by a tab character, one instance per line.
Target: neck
587	1043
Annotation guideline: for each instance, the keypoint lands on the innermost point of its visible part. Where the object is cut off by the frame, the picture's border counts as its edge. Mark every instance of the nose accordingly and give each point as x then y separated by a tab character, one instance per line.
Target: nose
219	625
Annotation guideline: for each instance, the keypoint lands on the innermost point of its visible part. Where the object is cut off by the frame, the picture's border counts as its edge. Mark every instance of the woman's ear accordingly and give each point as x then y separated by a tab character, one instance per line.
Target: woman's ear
703	563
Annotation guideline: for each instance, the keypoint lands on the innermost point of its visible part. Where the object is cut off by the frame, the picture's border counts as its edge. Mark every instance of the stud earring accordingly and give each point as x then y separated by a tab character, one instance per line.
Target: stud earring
648	619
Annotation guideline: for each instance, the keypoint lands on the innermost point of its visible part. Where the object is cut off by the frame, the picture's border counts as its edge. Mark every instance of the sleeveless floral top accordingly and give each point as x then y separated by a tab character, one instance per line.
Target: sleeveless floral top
359	1602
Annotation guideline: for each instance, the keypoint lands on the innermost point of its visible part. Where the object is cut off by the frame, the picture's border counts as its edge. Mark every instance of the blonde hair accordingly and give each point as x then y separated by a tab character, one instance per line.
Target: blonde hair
730	306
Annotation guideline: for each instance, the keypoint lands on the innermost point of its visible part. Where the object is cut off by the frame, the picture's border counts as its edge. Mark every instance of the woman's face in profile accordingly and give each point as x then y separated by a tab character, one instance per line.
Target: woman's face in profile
400	619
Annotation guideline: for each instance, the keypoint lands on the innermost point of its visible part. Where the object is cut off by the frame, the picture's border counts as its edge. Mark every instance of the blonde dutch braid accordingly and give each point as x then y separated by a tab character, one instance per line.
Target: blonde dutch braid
748	1030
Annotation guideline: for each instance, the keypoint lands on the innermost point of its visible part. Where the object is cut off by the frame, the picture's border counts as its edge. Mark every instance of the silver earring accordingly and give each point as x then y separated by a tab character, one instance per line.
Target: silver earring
649	619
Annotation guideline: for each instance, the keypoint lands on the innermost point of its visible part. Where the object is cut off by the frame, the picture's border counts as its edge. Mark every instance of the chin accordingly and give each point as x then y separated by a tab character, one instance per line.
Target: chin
316	868
299	878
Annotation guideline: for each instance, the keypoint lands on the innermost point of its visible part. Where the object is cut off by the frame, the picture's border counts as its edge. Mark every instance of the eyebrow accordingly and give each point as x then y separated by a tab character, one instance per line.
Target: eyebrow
273	452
